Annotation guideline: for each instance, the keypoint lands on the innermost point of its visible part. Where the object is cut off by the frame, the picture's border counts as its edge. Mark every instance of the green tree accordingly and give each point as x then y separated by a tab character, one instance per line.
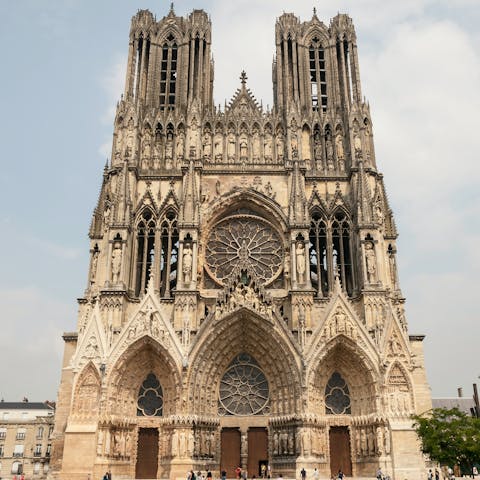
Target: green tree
449	437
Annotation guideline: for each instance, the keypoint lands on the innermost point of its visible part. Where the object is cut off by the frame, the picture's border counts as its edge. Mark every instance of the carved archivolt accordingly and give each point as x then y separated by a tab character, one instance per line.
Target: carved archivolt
87	393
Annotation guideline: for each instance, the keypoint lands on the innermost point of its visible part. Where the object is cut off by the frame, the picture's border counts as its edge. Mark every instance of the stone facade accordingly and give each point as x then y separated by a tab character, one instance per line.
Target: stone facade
243	304
25	439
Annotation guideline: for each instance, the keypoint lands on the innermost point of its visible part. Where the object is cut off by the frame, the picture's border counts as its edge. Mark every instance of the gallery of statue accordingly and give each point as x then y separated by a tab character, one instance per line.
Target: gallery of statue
243	305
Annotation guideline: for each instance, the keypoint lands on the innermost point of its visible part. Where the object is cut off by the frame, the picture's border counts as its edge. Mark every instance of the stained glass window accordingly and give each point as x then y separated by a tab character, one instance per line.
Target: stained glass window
337	396
150	398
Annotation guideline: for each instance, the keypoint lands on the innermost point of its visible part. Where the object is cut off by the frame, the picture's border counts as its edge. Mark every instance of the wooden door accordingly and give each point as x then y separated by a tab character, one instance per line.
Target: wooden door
340	458
257	450
230	451
147	453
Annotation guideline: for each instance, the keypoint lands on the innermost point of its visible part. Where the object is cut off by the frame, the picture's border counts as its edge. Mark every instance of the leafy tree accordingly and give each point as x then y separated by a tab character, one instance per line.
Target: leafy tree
449	436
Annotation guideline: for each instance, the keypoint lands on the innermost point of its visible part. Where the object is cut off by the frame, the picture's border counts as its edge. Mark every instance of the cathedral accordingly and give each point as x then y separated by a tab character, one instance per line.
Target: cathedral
242	305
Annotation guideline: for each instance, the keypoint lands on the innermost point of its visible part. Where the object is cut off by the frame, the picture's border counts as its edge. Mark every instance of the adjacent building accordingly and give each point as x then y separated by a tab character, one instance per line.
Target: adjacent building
243	305
25	439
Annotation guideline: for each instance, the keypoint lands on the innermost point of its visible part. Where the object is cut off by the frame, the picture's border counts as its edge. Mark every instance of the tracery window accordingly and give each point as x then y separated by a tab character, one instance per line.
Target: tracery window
169	242
244	242
145	250
150	398
337	396
318	75
330	252
168	73
243	388
341	250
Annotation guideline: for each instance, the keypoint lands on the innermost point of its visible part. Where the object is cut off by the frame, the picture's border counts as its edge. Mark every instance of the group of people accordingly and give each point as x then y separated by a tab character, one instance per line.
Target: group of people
191	475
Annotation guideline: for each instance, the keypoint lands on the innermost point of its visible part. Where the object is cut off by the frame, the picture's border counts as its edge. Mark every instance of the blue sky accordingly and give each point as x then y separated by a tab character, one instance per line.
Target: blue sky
63	65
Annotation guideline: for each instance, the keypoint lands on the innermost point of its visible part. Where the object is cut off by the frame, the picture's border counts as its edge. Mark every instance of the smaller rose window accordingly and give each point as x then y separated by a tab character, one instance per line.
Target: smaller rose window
337	396
150	398
243	388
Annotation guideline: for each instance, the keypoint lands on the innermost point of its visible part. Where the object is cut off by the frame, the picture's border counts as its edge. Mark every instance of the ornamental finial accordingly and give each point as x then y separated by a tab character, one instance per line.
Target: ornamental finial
243	77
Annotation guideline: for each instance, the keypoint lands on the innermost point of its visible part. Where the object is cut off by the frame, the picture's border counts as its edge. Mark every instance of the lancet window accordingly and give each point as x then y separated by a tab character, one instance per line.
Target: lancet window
145	250
168	73
330	252
169	241
150	398
337	396
318	75
142	58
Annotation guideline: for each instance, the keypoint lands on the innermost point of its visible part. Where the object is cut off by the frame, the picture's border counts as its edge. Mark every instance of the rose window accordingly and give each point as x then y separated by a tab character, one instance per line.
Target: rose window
337	396
244	242
243	388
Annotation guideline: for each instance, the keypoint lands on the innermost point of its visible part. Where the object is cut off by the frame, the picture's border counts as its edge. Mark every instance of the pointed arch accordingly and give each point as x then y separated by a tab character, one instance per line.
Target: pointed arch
320	261
346	357
87	392
167	251
124	381
342	251
144	248
399	392
244	331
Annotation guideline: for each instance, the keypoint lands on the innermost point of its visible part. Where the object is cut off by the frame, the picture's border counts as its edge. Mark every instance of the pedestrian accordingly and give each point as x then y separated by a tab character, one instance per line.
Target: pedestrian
238	471
316	475
340	475
379	474
430	475
105	477
263	470
437	474
209	474
223	475
244	474
303	474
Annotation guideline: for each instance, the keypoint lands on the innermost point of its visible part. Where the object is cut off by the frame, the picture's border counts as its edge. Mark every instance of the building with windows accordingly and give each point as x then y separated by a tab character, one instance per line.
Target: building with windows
243	305
25	439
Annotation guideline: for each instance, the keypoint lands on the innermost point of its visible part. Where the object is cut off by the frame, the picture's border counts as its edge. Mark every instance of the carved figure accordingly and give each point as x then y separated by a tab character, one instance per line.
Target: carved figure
357	143
339	146
207	146
169	151
187	263
116	262
218	147
300	257
180	146
280	147
93	269
255	146
267	147
231	145
371	262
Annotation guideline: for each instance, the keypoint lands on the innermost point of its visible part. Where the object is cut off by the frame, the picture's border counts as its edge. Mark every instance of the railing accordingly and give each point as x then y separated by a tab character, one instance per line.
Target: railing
20	436
37	454
17	454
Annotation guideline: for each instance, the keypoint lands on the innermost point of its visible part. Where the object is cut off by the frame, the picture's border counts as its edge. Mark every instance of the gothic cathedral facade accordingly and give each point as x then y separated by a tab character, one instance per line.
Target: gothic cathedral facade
243	306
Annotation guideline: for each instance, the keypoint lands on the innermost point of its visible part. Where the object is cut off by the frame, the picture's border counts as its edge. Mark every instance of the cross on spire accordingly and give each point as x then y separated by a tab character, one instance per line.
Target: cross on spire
243	77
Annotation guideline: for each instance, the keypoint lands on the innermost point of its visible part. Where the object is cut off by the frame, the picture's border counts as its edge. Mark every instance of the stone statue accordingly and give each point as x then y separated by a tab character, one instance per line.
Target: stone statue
243	146
300	257
116	262
231	146
329	148
371	262
357	143
294	145
218	147
169	151
280	147
187	263
180	146
275	443
339	146
93	269
267	147
130	147
207	146
256	146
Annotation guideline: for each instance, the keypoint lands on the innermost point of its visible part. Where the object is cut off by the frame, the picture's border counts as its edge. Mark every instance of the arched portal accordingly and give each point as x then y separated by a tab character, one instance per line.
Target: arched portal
245	374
